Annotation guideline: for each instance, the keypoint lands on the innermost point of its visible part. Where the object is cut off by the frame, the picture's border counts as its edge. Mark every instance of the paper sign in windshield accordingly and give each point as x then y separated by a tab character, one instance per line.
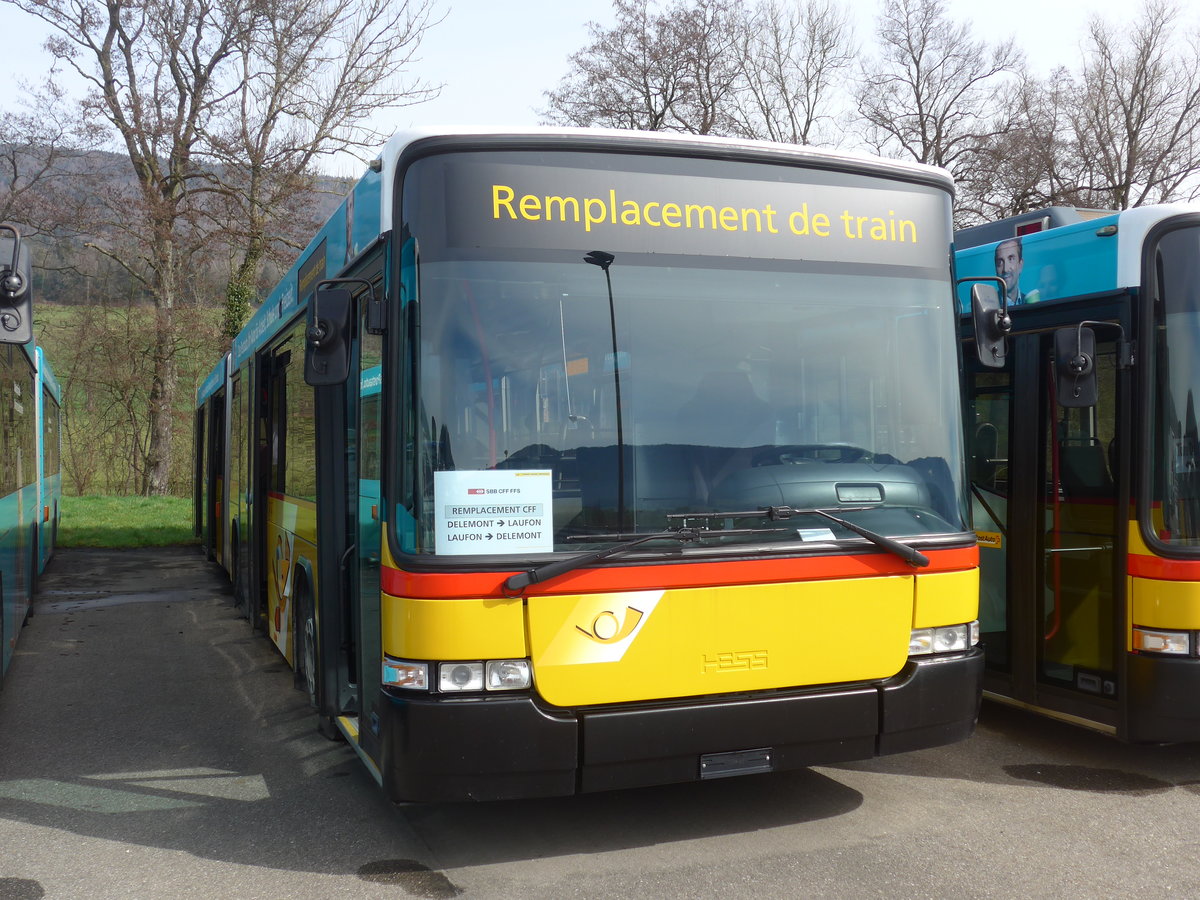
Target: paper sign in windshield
494	512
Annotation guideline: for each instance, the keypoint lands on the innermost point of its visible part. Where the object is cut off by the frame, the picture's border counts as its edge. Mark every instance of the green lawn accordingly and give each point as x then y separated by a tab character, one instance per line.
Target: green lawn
125	522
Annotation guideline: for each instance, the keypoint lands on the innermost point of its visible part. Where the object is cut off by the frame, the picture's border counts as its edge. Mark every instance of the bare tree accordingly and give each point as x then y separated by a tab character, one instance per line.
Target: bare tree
1023	165
304	83
675	70
709	34
163	73
42	139
1136	116
792	59
627	77
934	93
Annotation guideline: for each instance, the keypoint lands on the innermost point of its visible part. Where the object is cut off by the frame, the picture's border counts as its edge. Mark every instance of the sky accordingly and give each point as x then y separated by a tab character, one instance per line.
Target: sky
495	58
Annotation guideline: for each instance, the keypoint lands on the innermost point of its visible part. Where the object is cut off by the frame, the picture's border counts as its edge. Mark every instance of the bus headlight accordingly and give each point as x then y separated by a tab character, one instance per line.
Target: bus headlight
509	675
946	639
1155	640
460	676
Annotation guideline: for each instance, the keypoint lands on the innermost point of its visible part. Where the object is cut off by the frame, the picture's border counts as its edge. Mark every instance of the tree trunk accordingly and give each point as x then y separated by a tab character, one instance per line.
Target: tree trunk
162	401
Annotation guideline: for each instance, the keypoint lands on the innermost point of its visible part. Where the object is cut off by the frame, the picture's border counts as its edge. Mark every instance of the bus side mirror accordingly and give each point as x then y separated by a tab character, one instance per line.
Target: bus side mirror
328	339
992	324
1075	367
16	290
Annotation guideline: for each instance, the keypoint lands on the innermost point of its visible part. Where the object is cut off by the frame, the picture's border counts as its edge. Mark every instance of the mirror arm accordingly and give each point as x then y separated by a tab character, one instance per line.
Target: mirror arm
1126	356
319	330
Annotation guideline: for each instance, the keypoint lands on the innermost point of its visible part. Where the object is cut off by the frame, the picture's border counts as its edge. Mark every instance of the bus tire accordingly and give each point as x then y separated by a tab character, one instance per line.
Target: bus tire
306	642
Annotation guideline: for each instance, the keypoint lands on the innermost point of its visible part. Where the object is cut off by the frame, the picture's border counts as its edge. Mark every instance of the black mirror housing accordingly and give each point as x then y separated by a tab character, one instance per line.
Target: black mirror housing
16	290
328	339
1075	367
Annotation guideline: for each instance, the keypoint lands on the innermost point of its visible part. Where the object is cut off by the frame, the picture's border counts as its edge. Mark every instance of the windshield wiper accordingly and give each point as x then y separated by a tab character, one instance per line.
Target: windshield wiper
778	513
514	584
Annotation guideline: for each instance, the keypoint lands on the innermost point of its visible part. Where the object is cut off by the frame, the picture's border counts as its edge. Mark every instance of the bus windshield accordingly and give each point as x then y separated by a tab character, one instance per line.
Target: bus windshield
1175	474
632	387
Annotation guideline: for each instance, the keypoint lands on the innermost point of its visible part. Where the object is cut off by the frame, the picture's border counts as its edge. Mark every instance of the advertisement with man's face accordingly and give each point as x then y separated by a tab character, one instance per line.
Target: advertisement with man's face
1051	265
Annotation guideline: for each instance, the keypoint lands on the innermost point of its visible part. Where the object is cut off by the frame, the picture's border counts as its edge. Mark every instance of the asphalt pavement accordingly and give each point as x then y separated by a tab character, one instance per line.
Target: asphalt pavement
153	746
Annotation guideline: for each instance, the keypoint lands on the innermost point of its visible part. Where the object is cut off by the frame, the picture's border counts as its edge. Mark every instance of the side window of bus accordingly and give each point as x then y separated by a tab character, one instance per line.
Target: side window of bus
50	433
277	418
8	481
300	465
369	468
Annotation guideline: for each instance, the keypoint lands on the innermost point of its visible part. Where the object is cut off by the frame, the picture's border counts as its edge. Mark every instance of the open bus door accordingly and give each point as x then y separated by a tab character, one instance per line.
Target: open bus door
343	364
1050	506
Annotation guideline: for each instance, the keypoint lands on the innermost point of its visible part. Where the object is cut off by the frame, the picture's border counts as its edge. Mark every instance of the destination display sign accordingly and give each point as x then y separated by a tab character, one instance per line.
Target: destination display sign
736	213
494	511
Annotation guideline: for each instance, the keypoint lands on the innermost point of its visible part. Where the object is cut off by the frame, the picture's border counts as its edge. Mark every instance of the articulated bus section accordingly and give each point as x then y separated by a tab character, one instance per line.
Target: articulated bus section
673	489
30	472
18	493
1084	452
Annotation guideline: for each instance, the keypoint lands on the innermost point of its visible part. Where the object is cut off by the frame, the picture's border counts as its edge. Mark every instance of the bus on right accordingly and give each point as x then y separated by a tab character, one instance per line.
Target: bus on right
1082	375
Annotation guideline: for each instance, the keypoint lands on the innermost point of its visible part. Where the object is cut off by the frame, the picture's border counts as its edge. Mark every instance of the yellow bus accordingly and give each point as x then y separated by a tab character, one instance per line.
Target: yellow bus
573	460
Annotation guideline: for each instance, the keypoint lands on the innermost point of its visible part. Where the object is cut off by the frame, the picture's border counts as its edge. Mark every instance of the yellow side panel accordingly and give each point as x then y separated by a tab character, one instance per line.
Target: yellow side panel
608	648
1136	544
1159	604
453	629
1166	604
291	533
946	598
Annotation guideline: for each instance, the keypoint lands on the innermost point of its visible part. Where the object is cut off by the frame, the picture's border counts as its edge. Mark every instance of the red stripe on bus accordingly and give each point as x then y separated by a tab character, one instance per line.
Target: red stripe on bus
452	585
1141	566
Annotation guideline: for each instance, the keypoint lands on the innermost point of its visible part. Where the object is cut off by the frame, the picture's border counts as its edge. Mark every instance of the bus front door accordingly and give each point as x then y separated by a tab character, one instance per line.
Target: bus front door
1044	492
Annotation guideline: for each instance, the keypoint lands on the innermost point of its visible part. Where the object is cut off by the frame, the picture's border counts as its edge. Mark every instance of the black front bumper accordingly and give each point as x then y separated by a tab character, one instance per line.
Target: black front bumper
1161	704
503	747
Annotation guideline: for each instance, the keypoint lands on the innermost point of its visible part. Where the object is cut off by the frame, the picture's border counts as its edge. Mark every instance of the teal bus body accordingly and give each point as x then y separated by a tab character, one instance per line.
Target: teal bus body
30	483
18	492
49	454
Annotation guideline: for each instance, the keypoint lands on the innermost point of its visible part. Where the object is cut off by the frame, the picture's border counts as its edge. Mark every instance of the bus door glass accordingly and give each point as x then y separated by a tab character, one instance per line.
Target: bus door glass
989	449
238	489
367	533
215	511
1076	615
1043	502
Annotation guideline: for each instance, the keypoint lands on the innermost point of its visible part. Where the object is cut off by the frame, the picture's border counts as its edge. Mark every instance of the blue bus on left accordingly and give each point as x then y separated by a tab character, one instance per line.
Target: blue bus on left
30	477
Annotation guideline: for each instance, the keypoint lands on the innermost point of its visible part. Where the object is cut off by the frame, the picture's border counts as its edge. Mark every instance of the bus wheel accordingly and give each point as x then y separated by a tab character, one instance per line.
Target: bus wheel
306	643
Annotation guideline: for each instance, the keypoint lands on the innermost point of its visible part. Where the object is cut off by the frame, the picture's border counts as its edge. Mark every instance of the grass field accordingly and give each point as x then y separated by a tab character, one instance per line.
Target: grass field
117	522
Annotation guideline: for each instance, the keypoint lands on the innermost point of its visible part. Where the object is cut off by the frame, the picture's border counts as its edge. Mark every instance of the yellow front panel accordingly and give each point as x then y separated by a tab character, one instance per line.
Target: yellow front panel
453	629
609	648
946	598
1166	604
